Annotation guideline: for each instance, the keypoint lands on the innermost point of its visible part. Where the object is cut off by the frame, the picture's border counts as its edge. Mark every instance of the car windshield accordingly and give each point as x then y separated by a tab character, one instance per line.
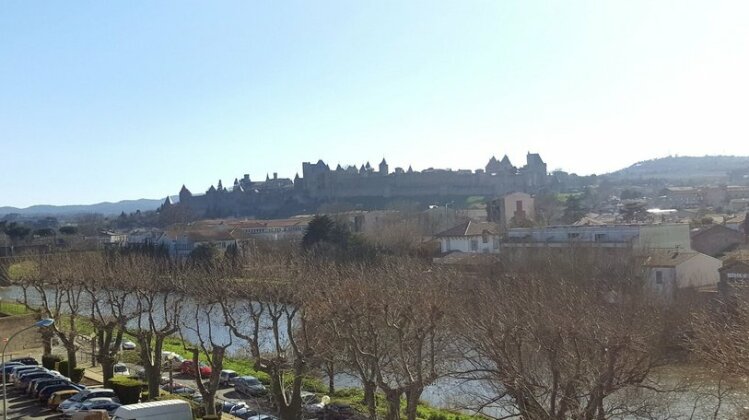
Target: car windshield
76	397
253	381
120	368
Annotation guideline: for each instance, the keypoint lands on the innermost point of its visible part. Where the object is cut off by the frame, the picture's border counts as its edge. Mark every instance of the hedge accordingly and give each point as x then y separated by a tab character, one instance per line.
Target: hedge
49	360
62	367
77	376
127	388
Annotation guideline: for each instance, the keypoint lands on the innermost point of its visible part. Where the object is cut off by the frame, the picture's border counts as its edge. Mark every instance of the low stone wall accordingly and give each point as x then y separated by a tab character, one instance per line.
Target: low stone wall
30	339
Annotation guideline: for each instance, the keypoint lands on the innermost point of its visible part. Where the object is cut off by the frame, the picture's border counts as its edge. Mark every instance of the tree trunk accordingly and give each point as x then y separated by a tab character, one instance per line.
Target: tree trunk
412	401
47	341
331	378
210	404
154	373
393	398
107	368
72	360
370	399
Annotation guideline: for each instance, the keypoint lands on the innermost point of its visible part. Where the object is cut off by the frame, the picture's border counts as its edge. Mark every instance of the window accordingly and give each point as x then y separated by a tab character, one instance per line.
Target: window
474	244
573	235
496	243
658	277
600	237
485	239
519	206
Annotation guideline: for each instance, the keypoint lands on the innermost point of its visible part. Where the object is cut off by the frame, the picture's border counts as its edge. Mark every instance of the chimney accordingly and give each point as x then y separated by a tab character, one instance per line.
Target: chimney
275	175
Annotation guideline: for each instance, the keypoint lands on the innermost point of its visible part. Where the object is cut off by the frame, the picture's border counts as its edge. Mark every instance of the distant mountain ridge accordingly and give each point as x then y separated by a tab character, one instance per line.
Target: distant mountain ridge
105	208
684	168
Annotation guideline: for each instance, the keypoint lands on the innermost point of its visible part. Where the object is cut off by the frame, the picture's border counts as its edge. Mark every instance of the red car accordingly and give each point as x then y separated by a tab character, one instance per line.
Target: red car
188	368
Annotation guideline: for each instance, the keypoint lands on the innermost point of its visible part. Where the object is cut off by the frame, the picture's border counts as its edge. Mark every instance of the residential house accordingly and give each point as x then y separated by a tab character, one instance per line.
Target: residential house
181	242
666	271
514	209
737	223
715	240
470	236
734	272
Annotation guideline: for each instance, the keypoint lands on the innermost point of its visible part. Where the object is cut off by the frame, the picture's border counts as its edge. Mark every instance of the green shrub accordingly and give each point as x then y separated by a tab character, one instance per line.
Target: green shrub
127	389
77	375
348	393
49	360
62	367
132	357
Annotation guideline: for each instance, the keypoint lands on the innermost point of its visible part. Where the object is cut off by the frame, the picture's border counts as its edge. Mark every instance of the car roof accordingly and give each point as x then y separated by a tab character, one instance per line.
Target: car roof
228	371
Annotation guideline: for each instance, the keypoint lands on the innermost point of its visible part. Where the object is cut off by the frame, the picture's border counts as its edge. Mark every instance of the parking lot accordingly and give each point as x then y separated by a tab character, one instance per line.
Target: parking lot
22	407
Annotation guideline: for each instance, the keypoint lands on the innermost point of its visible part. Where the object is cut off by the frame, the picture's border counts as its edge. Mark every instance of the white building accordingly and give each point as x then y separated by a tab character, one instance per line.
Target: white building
470	236
658	236
668	271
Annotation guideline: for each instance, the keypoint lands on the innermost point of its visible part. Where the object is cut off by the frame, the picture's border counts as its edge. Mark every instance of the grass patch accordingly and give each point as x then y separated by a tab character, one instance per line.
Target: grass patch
13	308
355	398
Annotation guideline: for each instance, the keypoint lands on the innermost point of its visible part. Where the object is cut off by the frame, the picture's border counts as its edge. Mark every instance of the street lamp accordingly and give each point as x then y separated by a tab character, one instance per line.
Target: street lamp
46	322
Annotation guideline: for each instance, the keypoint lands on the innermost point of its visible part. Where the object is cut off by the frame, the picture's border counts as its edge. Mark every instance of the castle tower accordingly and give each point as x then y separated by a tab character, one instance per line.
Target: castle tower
184	194
383	167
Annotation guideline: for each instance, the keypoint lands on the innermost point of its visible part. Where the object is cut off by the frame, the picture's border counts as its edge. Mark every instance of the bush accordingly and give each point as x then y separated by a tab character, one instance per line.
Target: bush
77	375
127	389
130	357
62	367
49	360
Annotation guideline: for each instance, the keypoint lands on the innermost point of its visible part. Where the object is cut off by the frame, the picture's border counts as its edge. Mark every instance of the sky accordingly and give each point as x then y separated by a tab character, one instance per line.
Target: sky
104	101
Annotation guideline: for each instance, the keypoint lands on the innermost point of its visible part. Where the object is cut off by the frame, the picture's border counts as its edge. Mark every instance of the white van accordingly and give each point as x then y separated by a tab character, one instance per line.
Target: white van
161	410
171	360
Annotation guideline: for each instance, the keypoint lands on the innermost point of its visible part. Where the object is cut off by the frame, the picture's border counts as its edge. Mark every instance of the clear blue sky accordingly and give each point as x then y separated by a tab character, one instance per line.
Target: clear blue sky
103	101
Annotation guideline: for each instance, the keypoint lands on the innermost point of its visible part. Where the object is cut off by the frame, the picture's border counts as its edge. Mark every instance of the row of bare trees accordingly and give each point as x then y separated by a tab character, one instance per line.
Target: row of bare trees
551	337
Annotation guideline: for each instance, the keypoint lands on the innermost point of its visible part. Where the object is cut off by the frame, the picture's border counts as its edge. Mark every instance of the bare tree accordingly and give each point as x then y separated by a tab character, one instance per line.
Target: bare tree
390	317
557	339
58	293
158	299
109	296
273	303
210	345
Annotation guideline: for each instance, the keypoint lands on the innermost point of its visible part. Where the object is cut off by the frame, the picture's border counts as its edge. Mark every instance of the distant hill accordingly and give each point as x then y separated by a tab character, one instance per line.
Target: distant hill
684	168
128	206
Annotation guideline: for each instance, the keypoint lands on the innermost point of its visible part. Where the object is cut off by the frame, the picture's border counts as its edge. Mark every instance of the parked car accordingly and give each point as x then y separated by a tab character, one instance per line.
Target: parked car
338	411
228	406
21	380
45	395
7	368
27	381
227	377
263	417
121	369
312	405
244	412
29	361
171	360
99	404
249	385
188	368
18	370
69	409
57	397
39	383
86	395
128	345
